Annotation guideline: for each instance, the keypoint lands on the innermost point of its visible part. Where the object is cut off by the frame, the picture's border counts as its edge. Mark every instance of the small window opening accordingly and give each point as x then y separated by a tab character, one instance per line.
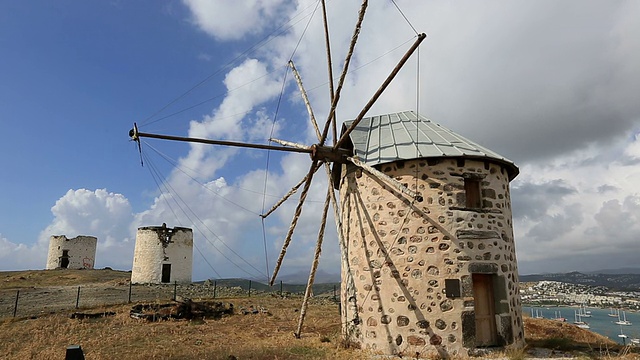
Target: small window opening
472	193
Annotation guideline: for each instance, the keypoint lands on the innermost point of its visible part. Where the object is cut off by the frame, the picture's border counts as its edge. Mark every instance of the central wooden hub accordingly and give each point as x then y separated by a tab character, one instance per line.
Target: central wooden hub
329	154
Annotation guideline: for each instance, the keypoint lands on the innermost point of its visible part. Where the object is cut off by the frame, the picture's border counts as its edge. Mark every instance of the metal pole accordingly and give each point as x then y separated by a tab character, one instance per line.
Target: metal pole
215	285
129	291
78	298
15	307
249	288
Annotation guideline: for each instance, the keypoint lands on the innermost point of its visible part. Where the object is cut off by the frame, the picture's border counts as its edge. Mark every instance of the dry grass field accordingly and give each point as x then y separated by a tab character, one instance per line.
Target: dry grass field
253	336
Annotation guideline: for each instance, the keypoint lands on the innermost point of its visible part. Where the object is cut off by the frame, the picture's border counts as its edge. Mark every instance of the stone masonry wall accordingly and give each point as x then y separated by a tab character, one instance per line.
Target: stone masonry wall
399	253
158	245
81	251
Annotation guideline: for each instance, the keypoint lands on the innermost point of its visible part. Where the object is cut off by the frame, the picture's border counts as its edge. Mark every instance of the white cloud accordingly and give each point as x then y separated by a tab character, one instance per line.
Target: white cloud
98	213
232	20
550	85
20	256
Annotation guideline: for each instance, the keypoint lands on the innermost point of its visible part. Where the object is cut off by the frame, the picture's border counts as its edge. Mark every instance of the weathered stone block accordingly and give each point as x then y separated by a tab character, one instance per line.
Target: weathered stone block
483	268
477	234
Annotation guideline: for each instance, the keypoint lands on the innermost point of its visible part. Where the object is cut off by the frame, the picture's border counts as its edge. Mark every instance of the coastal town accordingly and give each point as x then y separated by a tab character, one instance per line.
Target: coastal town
556	293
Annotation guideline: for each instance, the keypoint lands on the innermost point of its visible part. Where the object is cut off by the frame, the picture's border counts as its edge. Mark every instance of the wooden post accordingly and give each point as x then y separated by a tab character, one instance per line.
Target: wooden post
249	288
15	307
129	291
175	290
334	293
280	288
215	285
78	298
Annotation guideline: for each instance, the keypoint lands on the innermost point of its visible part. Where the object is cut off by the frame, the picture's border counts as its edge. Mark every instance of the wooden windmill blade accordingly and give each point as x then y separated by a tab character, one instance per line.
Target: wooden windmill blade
321	154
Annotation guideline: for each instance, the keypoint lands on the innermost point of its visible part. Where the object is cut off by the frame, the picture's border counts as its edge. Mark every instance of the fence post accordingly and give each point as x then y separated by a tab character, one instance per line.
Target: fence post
280	288
15	308
215	285
175	290
334	293
78	298
129	291
249	288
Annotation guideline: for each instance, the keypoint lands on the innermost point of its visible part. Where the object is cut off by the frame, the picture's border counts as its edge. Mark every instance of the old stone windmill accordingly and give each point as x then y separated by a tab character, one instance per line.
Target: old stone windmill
425	229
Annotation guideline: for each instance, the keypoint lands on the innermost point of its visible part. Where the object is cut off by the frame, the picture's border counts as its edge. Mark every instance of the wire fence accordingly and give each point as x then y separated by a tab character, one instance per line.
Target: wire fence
35	301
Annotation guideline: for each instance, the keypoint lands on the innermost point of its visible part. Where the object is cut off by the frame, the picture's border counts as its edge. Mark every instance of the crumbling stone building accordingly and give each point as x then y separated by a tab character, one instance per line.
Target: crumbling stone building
162	255
436	273
75	253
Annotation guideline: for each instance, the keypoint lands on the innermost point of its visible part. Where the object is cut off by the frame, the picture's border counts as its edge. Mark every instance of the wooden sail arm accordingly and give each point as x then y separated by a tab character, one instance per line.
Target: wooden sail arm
382	88
136	135
386	178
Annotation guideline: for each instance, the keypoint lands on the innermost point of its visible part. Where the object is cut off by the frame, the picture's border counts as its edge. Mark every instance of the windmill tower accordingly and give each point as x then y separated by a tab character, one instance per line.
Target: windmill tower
424	224
436	272
162	255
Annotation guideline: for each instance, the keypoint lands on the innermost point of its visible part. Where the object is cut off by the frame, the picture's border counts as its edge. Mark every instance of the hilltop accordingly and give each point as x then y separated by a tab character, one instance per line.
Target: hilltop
263	335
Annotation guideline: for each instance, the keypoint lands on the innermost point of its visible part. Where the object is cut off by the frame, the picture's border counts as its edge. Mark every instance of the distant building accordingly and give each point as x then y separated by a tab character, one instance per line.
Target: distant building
75	253
162	255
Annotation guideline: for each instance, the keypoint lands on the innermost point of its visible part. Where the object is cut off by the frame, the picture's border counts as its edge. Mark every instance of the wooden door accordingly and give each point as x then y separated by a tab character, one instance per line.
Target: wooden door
166	273
484	309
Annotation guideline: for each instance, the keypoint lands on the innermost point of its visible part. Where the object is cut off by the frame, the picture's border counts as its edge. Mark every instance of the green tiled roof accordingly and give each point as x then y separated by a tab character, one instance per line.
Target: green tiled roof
387	138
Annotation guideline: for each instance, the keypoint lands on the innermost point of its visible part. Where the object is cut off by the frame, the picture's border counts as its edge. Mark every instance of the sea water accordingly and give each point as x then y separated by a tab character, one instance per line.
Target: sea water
600	322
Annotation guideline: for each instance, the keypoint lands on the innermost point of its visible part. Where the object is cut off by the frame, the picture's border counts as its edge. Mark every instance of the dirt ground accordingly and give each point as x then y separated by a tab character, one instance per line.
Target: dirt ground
50	291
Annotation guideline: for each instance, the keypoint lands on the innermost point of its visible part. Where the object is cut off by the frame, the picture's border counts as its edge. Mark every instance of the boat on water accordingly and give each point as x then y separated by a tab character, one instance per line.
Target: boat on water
614	313
584	312
624	320
578	321
537	315
623	336
558	317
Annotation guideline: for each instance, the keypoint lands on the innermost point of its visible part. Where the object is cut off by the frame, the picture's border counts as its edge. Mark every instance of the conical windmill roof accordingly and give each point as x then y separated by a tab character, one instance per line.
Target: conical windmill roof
391	137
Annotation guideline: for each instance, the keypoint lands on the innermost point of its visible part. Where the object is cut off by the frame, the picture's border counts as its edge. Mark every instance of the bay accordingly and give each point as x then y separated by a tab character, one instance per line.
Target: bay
600	322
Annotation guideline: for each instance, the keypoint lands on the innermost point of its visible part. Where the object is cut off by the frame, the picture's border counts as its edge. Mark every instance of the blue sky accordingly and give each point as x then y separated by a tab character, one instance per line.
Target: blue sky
550	86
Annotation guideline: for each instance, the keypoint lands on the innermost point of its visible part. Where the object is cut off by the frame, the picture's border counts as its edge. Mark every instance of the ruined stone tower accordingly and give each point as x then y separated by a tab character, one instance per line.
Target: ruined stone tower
162	255
436	273
76	253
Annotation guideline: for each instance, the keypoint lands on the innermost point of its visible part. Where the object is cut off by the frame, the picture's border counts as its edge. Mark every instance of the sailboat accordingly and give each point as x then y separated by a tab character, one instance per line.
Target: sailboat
623	336
558	317
578	321
583	311
537	314
624	320
614	313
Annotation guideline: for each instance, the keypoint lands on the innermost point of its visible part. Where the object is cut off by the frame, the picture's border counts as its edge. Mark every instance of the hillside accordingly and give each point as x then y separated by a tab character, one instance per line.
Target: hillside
614	282
260	335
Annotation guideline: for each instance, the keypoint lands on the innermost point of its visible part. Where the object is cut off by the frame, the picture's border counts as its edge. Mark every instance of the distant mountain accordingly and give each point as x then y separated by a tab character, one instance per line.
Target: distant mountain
301	278
613	281
245	284
616	271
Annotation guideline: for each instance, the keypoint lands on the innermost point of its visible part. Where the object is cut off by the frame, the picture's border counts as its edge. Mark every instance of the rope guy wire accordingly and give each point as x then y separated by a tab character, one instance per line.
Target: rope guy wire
404	16
263	42
172	211
266	171
182	168
169	189
175	164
